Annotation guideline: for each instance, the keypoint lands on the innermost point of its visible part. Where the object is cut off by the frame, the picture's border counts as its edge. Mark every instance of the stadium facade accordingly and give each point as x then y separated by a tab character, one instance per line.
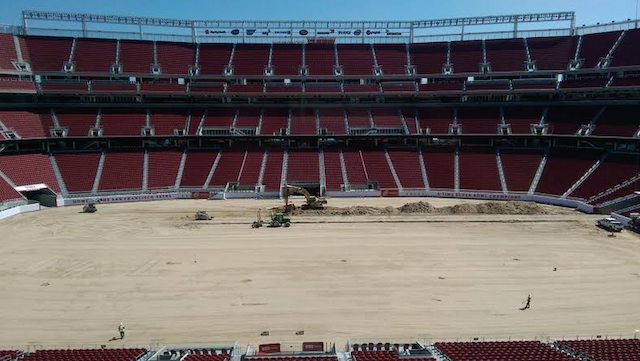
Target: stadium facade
128	108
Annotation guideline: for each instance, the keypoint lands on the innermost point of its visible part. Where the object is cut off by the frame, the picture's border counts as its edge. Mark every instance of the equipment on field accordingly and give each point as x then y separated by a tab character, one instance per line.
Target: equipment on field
258	222
279	220
89	208
312	201
203	216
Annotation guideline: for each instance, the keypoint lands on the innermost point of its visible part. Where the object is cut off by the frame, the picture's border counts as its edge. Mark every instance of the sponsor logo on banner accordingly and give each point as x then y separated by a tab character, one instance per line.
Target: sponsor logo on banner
357	32
393	33
267	32
304	32
344	32
235	31
287	32
251	31
373	32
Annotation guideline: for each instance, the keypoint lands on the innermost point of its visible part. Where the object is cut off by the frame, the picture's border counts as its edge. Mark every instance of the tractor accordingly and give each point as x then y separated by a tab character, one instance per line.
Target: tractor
279	220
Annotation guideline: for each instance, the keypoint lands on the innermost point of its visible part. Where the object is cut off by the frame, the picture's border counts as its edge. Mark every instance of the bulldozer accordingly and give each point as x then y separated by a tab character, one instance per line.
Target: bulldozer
312	202
90	207
202	216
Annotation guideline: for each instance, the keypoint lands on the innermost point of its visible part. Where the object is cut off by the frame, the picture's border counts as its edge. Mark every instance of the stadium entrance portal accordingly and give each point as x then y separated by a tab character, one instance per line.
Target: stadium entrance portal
39	193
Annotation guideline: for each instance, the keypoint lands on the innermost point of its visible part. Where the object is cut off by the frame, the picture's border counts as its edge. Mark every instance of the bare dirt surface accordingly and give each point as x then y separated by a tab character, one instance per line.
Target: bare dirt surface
69	278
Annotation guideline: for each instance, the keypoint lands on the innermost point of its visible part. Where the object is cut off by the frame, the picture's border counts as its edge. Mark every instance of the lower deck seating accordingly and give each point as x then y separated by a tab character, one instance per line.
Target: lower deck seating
356	174
206	357
502	350
564	168
616	169
78	170
196	168
111	354
479	170
251	168
303	166
121	171
163	168
273	170
519	167
228	168
28	169
333	169
440	168
407	166
377	168
603	350
7	193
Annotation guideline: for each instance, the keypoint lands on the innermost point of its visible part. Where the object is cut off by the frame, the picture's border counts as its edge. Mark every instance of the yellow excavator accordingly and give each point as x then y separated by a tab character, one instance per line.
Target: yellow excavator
312	201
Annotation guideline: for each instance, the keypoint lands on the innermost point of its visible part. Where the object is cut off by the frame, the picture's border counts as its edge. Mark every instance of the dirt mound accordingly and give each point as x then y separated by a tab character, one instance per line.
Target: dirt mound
514	208
417	207
495	208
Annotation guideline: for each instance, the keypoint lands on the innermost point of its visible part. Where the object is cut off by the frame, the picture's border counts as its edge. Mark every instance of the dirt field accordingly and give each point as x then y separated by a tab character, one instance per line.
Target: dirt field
70	278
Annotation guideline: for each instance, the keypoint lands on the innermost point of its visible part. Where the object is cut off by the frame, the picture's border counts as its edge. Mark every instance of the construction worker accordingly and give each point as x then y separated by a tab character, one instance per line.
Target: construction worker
527	303
121	330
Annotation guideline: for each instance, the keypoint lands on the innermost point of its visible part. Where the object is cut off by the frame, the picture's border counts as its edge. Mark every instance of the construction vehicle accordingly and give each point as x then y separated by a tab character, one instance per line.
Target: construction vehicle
279	220
312	202
90	207
202	216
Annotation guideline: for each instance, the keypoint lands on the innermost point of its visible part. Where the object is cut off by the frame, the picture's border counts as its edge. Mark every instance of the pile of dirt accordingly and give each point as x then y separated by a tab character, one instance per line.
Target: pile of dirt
518	208
417	207
512	208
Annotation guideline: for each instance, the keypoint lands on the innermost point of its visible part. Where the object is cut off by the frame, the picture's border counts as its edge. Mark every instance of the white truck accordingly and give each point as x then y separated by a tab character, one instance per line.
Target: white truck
610	224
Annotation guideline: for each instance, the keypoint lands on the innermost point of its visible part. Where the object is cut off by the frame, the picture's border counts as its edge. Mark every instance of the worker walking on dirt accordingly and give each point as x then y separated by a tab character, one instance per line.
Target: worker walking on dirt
121	329
527	303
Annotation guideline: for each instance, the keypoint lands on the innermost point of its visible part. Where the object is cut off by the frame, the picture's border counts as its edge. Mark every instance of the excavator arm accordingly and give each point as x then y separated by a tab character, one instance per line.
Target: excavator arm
312	202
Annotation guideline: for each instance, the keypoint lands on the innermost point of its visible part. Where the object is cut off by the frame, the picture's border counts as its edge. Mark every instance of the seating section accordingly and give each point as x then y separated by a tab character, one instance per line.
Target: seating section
506	55
355	59
136	56
564	168
8	54
375	356
377	168
428	58
78	170
250	171
440	167
392	58
616	169
569	120
48	54
479	170
274	121
626	53
175	58
94	55
333	121
78	124
603	350
358	118
163	168
122	123
28	169
197	168
228	168
466	57
386	118
303	166
333	169
356	173
479	120
320	58
273	170
213	58
286	59
248	118
222	117
122	171
303	122
250	59
522	118
519	167
501	350
553	53
622	121
25	124
165	122
437	120
407	166
207	357
115	354
596	46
